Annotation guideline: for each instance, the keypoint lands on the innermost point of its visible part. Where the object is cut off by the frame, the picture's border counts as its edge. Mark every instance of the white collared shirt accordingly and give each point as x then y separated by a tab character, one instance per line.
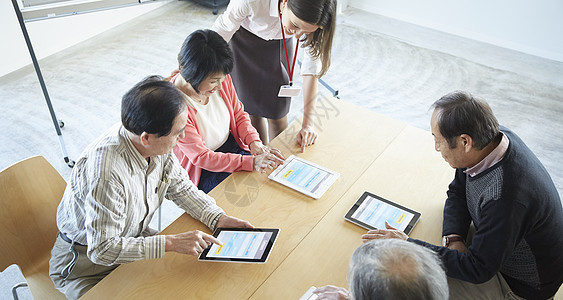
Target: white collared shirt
260	17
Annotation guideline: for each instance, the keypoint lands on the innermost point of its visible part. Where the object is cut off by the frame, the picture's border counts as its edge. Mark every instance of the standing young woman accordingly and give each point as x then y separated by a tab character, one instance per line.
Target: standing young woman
265	57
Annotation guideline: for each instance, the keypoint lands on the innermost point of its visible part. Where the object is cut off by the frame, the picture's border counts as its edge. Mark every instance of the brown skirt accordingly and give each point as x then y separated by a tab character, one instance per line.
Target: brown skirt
260	69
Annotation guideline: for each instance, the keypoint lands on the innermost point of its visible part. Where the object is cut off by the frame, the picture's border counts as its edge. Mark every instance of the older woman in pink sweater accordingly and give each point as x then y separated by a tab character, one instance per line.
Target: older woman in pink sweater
219	138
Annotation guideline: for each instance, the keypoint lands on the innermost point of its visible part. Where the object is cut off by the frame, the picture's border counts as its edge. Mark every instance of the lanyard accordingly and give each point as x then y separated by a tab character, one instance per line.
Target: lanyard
292	68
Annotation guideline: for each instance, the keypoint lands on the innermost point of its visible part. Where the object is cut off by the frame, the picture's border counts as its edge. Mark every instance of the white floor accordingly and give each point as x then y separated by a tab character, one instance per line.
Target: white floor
541	69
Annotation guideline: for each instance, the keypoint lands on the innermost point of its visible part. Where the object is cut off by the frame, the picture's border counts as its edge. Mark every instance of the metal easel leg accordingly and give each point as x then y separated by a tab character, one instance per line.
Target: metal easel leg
325	84
328	87
68	161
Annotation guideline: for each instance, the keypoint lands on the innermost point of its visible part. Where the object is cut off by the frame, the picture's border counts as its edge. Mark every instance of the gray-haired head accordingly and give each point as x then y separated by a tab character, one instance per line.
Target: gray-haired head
396	269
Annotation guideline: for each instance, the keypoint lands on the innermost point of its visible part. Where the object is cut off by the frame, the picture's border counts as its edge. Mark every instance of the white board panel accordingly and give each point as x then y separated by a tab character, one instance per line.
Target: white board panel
33	10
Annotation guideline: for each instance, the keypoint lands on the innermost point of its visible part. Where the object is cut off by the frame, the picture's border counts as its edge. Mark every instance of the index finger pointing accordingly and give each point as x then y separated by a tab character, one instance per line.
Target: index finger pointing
209	238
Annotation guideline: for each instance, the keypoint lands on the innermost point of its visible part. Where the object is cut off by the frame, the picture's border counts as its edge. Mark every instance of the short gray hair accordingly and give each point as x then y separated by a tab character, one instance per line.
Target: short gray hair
396	269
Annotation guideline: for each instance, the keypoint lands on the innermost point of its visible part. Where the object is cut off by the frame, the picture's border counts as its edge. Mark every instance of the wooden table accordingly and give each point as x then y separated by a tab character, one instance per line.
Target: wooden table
370	151
408	172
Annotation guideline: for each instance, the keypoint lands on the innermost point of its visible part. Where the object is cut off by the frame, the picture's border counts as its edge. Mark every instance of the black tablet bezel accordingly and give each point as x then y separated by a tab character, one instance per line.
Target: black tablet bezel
265	255
356	205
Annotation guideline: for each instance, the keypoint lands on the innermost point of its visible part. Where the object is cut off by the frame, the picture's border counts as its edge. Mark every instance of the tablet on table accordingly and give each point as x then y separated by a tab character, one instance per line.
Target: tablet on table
304	176
371	212
246	245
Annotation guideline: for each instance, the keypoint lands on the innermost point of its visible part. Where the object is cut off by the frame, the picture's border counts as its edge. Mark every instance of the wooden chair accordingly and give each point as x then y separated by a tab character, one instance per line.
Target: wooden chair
31	191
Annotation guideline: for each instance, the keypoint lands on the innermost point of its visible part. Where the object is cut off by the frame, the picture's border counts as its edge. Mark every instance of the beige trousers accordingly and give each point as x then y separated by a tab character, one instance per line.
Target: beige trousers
72	271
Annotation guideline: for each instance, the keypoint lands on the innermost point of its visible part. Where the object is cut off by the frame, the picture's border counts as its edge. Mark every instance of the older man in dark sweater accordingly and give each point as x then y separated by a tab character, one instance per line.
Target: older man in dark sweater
503	189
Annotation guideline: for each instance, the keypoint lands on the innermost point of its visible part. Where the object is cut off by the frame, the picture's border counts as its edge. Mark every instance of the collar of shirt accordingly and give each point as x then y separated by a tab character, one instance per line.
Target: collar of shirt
490	160
137	163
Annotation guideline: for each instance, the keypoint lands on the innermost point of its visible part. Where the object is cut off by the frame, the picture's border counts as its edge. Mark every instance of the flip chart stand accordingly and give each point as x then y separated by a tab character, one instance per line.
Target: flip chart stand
58	124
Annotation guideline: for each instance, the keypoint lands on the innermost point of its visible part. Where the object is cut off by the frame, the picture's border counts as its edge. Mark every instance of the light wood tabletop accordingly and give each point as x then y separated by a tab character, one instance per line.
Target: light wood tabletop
370	151
408	172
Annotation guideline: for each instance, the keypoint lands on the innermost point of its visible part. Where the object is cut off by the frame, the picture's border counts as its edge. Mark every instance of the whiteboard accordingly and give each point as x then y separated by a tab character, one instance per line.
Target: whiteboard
33	10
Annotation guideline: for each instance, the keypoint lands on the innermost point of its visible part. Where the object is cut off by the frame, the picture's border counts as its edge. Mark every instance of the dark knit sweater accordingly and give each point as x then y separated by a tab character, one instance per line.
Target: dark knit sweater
518	217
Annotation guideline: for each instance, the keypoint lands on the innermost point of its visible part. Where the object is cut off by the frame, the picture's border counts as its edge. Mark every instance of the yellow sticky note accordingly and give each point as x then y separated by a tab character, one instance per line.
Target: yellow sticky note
287	174
401	218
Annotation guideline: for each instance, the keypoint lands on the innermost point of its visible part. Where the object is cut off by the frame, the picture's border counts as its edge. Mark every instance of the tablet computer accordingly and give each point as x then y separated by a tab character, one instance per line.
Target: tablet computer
309	295
371	212
245	245
304	176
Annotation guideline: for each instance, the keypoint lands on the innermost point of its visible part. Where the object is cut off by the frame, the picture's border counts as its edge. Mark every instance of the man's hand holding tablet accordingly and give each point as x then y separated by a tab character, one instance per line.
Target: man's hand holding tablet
226	221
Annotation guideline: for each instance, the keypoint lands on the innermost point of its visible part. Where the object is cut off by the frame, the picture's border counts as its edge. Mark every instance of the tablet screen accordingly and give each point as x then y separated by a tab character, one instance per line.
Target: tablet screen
304	176
371	212
241	245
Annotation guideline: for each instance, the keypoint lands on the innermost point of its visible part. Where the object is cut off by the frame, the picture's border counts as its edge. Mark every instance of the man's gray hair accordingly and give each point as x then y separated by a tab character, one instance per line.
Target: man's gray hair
396	269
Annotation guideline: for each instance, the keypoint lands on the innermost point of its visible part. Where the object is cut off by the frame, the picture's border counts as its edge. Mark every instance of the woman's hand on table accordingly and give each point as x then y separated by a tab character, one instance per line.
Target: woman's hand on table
265	157
265	161
306	137
257	148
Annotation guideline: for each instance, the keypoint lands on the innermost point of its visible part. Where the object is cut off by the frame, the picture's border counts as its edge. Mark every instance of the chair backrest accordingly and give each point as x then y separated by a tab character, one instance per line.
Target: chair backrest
30	193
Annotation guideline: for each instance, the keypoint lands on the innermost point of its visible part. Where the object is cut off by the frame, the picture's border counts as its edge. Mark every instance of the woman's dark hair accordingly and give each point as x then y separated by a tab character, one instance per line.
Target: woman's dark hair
204	53
460	113
151	106
323	14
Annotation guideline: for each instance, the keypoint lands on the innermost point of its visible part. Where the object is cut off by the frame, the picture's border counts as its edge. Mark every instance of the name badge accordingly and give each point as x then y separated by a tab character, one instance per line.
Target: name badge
289	91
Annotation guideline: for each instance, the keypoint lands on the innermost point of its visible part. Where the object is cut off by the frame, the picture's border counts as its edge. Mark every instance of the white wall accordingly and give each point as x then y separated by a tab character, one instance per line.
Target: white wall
53	35
533	27
341	5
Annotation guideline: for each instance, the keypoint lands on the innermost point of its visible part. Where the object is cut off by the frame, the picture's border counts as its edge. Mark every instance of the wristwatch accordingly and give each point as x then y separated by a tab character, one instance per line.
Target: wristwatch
448	239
